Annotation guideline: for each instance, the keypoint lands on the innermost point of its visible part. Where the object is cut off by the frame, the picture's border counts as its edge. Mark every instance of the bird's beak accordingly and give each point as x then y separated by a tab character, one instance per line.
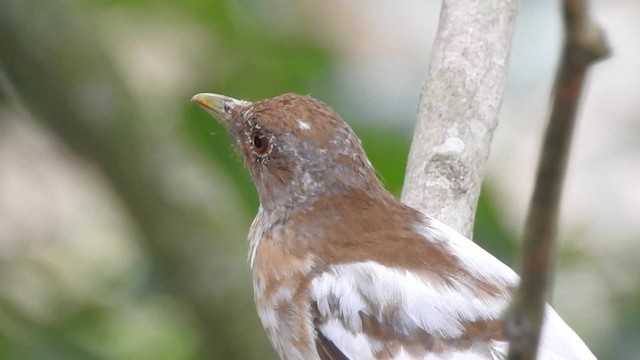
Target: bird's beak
218	106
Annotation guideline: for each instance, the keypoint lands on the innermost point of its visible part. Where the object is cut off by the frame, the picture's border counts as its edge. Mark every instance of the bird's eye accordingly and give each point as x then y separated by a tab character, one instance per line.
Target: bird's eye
260	143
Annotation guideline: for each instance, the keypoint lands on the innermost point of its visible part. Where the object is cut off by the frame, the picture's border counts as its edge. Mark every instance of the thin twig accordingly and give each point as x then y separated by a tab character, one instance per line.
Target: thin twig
458	110
584	45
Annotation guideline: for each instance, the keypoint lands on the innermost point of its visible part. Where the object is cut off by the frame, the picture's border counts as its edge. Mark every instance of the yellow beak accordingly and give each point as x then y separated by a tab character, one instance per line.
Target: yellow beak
214	104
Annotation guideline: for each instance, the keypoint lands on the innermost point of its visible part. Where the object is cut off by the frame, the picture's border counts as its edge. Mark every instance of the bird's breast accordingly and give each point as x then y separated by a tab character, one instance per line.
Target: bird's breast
281	277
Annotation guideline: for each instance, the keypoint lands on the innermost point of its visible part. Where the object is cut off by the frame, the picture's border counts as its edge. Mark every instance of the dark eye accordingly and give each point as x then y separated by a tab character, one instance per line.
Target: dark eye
260	143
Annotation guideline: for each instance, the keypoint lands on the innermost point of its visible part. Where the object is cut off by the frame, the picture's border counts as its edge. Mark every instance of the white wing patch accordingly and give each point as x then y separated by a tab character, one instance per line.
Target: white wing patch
346	290
352	345
438	309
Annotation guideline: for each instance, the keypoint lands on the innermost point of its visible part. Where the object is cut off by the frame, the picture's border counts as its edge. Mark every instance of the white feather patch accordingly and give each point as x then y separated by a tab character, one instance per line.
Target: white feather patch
441	310
303	125
353	345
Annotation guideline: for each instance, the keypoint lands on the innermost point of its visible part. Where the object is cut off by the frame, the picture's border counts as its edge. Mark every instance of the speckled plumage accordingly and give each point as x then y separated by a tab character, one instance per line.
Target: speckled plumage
342	270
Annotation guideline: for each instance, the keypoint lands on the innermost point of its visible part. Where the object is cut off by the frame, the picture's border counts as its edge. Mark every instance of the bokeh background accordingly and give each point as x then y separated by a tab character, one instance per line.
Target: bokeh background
124	209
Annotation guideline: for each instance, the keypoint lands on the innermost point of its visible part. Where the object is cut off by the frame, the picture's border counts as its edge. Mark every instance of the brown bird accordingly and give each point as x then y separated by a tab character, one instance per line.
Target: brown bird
343	270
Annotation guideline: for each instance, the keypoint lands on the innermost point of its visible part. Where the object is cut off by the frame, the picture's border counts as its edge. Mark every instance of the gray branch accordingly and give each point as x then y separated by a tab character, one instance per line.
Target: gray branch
458	110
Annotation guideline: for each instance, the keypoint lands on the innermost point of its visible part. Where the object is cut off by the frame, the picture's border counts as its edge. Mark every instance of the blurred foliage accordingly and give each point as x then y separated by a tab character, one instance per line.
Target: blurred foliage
174	302
490	233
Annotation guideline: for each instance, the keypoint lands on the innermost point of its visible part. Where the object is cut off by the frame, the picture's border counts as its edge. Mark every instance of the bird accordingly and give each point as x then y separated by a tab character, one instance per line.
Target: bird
342	270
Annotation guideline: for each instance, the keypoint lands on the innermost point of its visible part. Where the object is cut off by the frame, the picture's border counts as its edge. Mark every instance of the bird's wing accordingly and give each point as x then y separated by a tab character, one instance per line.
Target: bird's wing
557	340
366	310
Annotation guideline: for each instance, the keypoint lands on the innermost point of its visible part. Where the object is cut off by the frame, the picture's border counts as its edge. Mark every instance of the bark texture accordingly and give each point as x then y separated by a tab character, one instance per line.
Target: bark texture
458	109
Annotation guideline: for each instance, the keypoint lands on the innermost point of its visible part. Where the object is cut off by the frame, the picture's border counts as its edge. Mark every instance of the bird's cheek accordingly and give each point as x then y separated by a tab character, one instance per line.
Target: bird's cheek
241	145
255	171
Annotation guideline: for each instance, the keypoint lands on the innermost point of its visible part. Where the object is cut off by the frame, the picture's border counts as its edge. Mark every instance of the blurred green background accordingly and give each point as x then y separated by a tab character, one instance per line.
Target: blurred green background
124	208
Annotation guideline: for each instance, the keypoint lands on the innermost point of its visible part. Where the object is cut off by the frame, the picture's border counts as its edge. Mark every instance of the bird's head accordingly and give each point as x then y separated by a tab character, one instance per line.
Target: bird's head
295	147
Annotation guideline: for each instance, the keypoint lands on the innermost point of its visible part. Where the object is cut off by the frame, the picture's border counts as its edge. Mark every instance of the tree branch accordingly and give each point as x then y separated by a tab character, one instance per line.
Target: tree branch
458	110
584	45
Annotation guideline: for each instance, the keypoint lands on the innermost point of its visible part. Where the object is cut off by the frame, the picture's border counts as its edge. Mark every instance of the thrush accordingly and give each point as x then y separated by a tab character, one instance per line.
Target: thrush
342	270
